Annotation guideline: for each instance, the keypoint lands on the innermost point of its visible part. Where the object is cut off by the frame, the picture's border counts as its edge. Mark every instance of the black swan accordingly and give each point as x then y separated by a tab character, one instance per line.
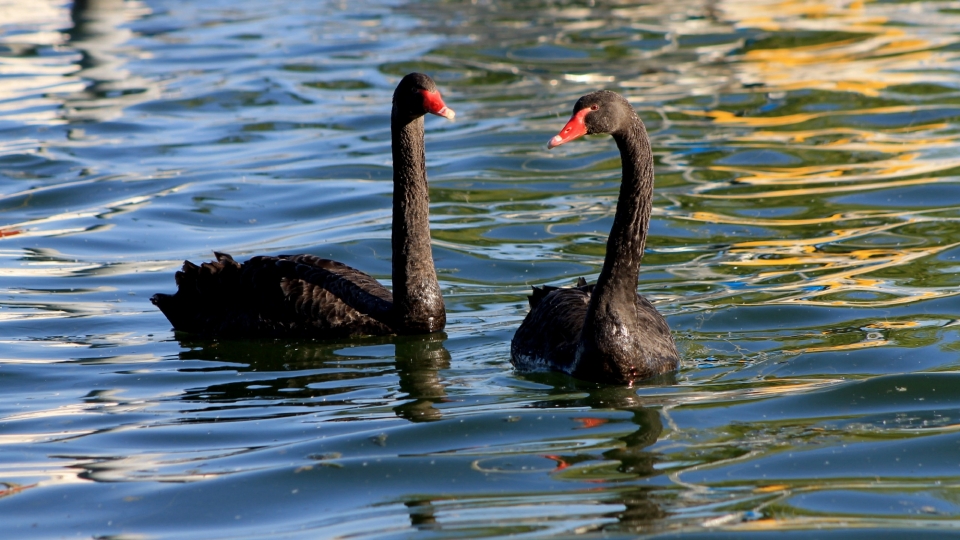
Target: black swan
605	332
306	296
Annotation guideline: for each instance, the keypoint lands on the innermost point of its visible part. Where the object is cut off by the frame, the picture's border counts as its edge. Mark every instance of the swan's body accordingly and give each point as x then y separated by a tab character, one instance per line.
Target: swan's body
604	332
306	296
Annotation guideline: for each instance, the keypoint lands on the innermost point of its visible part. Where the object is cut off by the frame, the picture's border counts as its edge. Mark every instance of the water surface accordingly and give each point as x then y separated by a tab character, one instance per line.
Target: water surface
803	248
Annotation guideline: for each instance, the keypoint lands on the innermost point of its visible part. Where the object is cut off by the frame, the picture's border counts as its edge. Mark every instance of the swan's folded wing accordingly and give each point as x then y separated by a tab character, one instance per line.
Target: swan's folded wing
351	287
547	337
298	296
656	337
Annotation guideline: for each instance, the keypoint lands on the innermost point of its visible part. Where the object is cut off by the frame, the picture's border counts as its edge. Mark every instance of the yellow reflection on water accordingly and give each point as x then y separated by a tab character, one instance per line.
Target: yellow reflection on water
870	48
728	117
839	123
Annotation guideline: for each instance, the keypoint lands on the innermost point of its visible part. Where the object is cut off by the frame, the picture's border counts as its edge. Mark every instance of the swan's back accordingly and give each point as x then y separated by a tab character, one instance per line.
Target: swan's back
284	296
547	338
549	335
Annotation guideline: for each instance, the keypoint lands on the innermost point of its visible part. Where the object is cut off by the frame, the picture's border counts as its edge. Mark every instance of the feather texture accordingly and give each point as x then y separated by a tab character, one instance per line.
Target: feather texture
285	296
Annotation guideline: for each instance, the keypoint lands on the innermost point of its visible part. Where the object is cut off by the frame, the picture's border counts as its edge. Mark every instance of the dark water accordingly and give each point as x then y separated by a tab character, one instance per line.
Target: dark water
804	247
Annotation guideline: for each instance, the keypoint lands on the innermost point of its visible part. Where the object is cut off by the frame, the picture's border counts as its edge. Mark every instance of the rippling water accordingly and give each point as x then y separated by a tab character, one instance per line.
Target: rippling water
804	244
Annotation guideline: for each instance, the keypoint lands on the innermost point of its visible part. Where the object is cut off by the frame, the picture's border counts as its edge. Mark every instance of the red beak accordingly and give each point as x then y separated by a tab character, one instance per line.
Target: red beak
575	128
434	104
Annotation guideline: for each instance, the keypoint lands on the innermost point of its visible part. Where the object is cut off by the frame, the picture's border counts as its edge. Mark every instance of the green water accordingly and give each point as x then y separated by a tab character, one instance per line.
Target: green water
803	248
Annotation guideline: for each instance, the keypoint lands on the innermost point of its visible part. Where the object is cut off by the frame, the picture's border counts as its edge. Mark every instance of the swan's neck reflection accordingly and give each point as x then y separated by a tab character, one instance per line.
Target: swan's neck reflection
419	361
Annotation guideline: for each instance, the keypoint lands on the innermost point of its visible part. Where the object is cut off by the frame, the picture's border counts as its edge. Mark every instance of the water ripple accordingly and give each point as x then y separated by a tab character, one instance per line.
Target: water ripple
803	247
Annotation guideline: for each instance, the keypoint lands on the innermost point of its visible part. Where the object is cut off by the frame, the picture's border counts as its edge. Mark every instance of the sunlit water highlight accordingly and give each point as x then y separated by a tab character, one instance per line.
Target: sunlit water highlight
804	244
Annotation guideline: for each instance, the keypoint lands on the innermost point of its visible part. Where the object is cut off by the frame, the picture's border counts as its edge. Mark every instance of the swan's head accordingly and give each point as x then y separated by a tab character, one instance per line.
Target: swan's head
417	95
598	112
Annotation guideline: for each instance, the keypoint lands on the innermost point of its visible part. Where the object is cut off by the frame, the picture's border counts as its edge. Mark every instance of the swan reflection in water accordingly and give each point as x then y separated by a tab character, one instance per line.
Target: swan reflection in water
637	508
326	374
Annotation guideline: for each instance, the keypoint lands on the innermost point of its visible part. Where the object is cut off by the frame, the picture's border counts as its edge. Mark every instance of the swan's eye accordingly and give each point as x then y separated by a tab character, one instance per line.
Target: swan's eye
594	107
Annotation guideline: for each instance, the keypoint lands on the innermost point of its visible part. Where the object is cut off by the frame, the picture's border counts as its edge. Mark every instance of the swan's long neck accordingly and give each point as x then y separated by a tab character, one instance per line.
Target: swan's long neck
628	237
417	304
612	315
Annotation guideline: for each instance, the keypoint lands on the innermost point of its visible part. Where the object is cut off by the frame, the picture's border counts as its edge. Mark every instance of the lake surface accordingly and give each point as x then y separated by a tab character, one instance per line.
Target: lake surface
804	249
